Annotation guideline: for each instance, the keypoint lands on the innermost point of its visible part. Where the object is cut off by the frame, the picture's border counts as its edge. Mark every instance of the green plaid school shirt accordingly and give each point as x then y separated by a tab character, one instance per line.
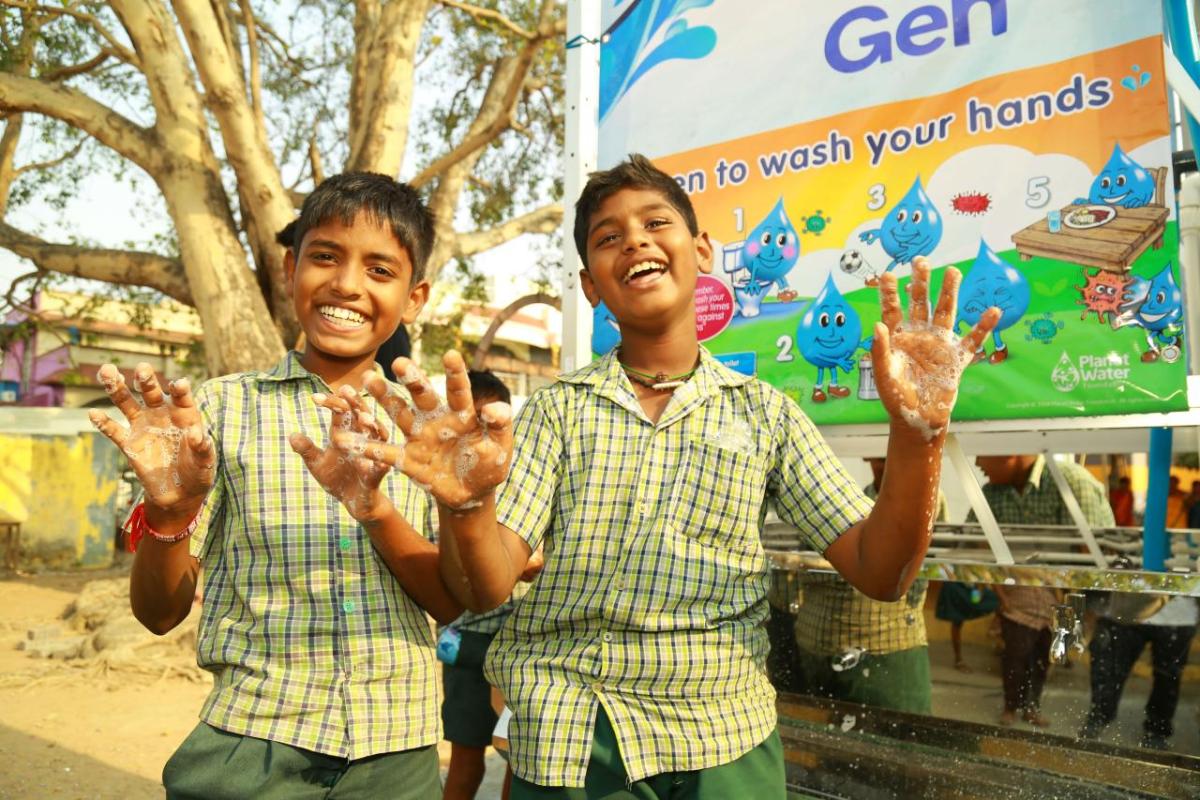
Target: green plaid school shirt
833	616
1041	504
311	640
653	597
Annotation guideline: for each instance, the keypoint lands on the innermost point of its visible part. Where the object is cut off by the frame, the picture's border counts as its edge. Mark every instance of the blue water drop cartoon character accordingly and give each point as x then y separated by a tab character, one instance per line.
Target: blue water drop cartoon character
1156	305
913	227
771	251
1123	182
828	335
992	282
605	333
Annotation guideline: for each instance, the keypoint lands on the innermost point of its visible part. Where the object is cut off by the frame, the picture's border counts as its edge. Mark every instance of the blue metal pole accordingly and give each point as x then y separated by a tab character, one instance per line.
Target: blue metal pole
1180	33
1155	549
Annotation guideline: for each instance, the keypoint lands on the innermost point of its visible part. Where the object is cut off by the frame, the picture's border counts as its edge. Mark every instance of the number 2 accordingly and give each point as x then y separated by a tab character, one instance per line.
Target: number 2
784	343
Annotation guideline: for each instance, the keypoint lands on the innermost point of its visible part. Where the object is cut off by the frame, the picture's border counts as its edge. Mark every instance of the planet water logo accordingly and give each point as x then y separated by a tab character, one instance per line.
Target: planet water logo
1065	376
1091	370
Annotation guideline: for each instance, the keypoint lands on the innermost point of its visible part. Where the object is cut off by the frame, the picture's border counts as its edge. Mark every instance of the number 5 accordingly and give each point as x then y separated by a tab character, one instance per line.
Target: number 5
1037	193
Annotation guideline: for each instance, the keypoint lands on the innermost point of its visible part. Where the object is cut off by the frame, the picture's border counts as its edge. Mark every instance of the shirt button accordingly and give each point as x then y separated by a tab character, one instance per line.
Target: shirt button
345	543
644	509
348	606
606	636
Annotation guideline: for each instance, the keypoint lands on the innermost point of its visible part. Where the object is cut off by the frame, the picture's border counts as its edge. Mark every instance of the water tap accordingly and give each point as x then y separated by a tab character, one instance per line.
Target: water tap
1078	603
1064	629
848	659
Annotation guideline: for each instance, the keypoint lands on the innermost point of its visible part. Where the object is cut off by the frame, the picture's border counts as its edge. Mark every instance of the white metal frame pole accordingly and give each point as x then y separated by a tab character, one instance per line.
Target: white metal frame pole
979	503
582	146
1076	512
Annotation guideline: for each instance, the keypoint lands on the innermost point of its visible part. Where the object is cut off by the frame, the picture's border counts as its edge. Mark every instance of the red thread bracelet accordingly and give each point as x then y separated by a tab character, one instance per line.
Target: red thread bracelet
136	527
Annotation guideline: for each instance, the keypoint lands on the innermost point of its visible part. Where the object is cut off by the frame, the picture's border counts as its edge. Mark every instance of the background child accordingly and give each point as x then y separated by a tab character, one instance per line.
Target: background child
467	714
313	623
635	665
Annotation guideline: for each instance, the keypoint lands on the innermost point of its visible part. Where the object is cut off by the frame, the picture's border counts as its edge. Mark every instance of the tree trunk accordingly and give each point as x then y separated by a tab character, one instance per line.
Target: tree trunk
238	332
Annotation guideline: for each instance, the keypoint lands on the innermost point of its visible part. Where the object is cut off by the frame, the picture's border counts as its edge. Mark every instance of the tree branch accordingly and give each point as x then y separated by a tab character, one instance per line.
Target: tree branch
542	220
62	73
38	165
139	145
505	314
255	67
495	113
119	50
112	266
491	16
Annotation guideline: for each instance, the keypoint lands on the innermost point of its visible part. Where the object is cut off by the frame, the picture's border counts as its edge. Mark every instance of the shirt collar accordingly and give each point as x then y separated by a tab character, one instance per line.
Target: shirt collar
608	380
289	368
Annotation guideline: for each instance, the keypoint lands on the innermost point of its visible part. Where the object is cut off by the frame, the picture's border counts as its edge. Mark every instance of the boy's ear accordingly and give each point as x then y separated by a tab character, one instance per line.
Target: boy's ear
417	297
589	288
704	252
289	270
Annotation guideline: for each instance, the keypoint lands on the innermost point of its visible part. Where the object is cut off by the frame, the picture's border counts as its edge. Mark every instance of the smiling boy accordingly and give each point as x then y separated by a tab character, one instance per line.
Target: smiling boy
313	622
635	667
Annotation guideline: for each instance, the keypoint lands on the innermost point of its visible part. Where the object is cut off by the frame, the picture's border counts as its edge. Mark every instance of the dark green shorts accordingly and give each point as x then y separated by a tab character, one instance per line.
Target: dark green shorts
899	681
467	714
213	764
758	774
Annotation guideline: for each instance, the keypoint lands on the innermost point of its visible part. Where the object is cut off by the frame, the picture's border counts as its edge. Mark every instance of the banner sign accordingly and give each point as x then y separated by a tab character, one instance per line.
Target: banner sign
826	144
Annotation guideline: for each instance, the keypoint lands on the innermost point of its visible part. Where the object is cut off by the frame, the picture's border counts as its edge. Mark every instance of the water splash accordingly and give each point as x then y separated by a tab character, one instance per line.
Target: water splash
648	33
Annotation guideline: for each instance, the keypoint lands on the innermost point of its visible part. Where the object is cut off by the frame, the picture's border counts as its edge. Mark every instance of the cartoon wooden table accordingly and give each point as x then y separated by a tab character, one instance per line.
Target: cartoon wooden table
1108	237
1111	243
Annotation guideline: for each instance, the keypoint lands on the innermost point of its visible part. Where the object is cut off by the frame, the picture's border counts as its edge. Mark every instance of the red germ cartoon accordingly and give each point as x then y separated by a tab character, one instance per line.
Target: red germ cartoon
973	203
1101	293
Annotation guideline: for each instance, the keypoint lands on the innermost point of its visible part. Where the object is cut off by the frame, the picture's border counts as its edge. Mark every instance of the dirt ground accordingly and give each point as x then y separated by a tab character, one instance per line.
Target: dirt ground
67	730
70	730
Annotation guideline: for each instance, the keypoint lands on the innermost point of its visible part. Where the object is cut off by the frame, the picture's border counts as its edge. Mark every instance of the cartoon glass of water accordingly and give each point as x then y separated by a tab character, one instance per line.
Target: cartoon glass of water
1054	220
866	379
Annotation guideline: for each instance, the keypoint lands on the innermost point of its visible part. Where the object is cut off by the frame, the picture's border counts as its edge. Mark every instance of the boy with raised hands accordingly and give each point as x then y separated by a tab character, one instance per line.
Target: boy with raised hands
635	665
313	621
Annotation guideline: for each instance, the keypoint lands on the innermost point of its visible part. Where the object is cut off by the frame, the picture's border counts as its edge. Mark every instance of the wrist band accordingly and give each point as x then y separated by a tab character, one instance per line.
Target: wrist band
136	527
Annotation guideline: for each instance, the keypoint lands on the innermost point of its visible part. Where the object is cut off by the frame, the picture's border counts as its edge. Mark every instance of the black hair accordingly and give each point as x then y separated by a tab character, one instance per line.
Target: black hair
287	235
398	345
484	383
386	200
635	173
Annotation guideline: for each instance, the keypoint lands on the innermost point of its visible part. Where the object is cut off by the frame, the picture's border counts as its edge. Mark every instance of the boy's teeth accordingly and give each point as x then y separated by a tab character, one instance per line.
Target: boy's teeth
341	314
643	268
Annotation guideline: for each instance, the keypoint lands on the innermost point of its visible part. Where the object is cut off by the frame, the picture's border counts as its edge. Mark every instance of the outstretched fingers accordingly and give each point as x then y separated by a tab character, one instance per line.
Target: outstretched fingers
305	448
118	392
115	431
497	421
458	385
974	339
918	289
147	384
380	452
419	388
943	315
889	301
392	403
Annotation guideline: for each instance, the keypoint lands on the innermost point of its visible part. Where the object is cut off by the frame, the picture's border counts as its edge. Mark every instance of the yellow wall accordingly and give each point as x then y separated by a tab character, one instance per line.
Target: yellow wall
63	491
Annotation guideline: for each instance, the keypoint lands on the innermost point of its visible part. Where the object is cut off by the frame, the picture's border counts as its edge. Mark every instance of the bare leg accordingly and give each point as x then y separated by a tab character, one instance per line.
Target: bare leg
956	643
465	772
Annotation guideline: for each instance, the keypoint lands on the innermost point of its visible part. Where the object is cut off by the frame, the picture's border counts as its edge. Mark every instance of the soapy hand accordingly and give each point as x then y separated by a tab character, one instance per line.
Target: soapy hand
458	456
165	441
348	474
918	364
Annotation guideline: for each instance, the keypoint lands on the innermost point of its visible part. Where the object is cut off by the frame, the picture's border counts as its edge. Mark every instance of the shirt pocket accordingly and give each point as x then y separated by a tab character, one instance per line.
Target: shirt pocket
717	497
